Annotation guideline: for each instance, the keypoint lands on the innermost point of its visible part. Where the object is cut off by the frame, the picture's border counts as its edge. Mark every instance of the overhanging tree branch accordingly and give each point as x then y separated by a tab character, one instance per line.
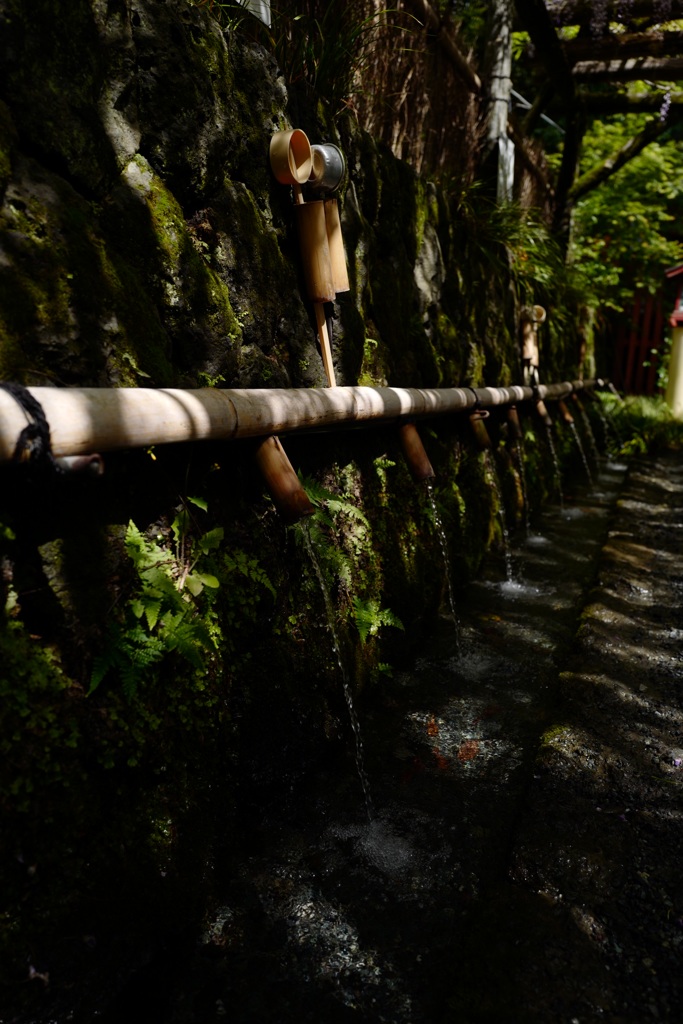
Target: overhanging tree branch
591	179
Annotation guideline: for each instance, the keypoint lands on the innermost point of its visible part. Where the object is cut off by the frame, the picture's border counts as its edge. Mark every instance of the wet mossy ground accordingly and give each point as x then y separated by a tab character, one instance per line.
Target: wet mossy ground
510	871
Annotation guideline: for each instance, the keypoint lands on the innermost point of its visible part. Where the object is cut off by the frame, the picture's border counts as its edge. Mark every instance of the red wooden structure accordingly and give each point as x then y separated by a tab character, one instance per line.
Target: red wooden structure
638	346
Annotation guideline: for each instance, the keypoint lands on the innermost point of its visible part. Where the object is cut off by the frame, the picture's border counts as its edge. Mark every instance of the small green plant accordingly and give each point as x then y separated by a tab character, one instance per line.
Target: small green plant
369	618
321	526
645	425
162	616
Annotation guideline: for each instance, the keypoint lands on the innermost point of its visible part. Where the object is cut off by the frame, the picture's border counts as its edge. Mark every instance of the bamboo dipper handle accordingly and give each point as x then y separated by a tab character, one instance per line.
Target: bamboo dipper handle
325	347
323	336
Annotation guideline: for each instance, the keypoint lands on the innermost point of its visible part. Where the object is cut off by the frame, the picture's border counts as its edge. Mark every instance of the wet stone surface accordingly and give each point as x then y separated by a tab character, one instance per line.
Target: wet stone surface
599	841
522	863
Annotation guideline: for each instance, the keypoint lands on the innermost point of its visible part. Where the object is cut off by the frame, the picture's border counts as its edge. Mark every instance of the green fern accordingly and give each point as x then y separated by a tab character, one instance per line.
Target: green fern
370	618
240	562
162	616
324	499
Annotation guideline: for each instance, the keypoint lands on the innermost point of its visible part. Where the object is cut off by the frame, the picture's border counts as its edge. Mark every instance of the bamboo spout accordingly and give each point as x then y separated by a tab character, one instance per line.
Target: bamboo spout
481	434
543	412
564	412
290	498
414	452
514	426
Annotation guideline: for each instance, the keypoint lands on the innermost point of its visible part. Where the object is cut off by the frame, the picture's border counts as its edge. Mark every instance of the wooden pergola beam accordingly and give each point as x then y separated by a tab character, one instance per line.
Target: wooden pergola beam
633	69
624	45
627	103
582	12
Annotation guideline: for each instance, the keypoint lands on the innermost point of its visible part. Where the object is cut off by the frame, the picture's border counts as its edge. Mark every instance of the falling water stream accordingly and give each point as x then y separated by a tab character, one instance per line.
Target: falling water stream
444	552
519	459
581	450
338	917
590	436
556	463
348	693
491	472
390	914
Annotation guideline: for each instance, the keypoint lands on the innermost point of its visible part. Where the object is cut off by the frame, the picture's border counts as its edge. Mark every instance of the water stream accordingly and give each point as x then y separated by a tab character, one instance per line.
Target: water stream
404	914
346	682
444	552
581	450
557	475
519	459
394	919
491	473
590	436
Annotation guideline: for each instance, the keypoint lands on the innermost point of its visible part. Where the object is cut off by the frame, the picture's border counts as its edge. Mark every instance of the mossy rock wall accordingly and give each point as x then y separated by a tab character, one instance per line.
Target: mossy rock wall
144	242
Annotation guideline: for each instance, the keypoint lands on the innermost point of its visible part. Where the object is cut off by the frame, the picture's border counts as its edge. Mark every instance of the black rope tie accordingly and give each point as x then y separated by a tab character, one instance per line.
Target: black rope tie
33	444
477	404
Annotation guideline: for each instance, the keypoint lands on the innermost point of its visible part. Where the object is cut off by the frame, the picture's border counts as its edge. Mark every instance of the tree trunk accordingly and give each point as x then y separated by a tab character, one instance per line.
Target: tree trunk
549	49
576	126
499	150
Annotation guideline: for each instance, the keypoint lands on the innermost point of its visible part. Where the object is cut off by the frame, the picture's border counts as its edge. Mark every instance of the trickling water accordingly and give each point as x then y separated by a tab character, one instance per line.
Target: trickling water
348	694
519	454
590	436
491	472
444	551
582	452
608	424
604	423
556	463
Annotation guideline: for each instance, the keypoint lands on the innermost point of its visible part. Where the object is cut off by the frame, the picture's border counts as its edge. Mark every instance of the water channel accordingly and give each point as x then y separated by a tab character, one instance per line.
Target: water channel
334	917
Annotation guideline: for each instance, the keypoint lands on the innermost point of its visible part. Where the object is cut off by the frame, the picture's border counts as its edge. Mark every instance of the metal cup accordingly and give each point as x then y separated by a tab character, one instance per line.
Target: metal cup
329	167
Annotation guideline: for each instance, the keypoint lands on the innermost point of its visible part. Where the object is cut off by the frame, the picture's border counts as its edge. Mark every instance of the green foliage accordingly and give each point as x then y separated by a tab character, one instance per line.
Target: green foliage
326	45
622	239
162	616
471	18
231	15
336	525
323	528
369	618
35	733
644	425
329	51
507	236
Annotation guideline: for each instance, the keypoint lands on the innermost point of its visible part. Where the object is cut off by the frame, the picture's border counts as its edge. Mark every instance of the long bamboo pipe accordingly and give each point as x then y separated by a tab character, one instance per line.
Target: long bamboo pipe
85	420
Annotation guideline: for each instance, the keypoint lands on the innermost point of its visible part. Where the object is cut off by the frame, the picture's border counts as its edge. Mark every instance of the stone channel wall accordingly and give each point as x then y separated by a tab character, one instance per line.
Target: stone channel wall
165	654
